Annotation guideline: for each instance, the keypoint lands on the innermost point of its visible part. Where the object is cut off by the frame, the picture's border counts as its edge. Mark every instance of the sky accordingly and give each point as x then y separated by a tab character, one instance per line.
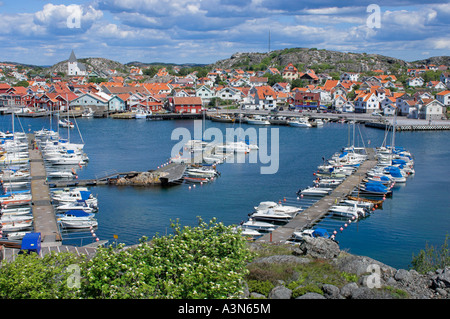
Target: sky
44	32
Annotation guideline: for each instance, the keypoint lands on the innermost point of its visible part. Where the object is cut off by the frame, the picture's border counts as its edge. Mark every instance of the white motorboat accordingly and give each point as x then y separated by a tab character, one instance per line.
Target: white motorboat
16	235
318	123
87	113
15	219
309	233
66	123
17	211
73	196
201	172
79	205
142	114
328	182
350	202
14	175
259	225
271	215
230	147
21	225
258	120
15	199
300	122
316	191
292	210
348	211
78	223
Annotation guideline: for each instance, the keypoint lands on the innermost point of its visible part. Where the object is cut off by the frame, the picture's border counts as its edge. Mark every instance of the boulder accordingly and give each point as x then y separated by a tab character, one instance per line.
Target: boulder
319	247
280	292
311	295
331	292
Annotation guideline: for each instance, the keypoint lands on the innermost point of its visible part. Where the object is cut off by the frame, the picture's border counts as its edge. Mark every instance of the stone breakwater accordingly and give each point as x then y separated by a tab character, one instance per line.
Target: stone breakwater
375	279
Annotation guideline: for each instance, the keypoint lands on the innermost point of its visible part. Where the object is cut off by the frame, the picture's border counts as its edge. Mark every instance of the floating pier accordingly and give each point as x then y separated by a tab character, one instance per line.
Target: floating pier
319	209
44	219
415	125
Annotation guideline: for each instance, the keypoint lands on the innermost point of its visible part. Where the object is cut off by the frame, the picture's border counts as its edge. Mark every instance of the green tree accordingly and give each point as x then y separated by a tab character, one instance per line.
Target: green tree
432	258
32	277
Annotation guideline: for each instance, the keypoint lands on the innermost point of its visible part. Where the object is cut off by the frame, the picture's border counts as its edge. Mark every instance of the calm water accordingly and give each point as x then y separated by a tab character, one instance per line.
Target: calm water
418	213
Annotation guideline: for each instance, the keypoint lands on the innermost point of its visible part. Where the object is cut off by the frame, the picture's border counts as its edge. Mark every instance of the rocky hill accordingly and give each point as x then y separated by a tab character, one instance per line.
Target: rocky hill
98	65
322	60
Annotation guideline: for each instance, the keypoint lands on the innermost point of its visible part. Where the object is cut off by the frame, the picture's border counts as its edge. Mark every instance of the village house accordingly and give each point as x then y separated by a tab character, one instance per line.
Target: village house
98	102
444	98
430	109
349	76
190	104
307	100
290	72
284	87
416	81
445	78
264	97
366	102
436	85
228	93
205	93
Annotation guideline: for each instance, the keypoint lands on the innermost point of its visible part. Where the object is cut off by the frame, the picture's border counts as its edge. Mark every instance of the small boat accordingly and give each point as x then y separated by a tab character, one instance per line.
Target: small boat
16	235
197	179
87	113
348	211
258	120
223	118
315	191
142	114
328	182
12	227
271	215
79	205
300	122
317	123
259	225
310	233
15	211
14	219
73	223
66	123
292	210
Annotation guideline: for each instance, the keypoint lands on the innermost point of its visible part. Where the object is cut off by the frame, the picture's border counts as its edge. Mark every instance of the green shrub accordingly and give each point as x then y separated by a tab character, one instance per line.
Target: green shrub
300	291
261	287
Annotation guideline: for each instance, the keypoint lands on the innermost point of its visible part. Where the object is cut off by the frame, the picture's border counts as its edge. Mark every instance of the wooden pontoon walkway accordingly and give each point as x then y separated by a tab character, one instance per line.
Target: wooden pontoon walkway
44	219
318	210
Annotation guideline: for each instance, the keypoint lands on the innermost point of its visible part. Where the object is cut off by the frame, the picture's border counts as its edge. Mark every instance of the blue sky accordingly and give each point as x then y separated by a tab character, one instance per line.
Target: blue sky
43	32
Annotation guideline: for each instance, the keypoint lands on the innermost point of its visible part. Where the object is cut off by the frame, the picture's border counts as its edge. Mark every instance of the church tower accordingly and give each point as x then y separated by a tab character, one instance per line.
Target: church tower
74	67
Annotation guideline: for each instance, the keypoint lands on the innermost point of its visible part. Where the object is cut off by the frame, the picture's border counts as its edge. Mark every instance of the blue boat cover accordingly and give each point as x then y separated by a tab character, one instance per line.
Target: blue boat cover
321	232
85	195
77	213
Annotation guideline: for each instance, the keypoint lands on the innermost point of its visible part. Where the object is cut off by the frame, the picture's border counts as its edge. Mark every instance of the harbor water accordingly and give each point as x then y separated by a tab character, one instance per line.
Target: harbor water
417	214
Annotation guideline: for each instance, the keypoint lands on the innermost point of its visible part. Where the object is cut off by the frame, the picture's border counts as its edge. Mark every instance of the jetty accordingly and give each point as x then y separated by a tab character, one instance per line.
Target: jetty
411	125
313	214
44	219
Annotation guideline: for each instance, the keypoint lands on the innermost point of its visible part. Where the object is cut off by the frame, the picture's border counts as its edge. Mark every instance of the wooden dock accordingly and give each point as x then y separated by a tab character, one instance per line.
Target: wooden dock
319	210
44	218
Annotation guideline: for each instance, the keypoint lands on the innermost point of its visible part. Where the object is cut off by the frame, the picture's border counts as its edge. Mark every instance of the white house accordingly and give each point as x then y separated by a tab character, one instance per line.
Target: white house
436	85
205	93
338	102
404	103
417	81
228	93
284	87
444	98
367	103
75	67
349	76
430	109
